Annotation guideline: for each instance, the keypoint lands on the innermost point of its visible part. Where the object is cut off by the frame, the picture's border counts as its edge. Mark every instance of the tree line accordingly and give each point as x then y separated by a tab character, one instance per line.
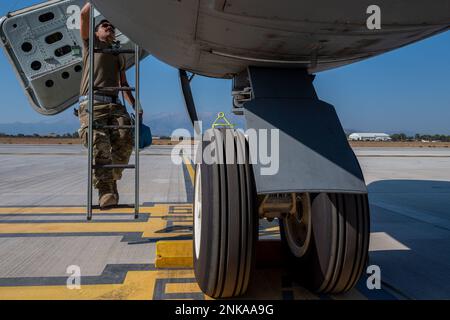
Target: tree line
394	137
420	137
35	135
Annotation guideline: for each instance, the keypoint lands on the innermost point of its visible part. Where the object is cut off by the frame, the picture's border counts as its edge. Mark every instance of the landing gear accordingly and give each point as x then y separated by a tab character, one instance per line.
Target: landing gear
314	185
331	258
297	226
225	222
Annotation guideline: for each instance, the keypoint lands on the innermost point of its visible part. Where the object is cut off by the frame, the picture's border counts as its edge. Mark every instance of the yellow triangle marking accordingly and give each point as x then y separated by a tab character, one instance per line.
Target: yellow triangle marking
222	121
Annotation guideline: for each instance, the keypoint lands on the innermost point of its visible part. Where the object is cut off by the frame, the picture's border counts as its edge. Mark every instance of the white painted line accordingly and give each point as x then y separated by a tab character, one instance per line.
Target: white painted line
381	241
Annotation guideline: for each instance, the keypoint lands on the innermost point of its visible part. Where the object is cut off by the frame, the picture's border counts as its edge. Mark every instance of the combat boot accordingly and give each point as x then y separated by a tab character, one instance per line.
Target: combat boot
116	191
107	198
107	201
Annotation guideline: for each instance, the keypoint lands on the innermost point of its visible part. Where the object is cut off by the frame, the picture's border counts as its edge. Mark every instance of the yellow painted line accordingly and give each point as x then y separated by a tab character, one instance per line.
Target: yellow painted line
190	169
183	223
174	254
182	288
157	209
149	228
176	274
138	285
271	229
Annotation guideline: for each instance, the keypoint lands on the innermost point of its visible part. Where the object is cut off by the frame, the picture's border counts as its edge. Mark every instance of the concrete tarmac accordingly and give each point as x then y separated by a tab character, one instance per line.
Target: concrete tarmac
43	229
57	175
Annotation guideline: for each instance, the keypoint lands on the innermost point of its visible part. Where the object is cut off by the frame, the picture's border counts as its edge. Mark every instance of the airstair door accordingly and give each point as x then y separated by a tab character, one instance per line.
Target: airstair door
43	44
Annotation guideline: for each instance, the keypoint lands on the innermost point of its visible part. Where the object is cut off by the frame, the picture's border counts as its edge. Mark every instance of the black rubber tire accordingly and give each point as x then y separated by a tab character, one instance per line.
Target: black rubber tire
229	221
338	250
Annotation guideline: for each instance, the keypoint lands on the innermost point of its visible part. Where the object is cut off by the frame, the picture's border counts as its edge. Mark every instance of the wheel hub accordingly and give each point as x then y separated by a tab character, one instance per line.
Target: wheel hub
298	226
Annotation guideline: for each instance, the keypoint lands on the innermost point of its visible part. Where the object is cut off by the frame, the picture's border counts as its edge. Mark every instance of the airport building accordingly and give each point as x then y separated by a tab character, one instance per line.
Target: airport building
369	137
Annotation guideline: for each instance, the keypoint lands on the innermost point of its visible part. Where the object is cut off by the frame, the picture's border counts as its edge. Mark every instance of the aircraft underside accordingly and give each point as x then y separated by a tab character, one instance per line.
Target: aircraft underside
221	38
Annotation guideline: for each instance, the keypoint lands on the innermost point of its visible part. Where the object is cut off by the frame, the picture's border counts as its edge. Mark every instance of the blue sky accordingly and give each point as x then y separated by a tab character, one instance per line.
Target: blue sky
407	90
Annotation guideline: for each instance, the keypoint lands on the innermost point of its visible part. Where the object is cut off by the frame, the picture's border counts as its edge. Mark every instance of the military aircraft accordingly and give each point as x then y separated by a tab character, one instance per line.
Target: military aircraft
270	49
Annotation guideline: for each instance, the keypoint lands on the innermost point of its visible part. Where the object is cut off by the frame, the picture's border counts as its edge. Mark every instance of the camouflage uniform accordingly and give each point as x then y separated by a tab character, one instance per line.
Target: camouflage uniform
111	146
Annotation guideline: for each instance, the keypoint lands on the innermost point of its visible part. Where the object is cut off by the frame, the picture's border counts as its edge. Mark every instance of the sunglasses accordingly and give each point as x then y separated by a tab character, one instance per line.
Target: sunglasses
106	25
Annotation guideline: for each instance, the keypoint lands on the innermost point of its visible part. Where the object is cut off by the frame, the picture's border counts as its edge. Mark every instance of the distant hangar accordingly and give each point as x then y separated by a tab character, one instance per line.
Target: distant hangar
357	136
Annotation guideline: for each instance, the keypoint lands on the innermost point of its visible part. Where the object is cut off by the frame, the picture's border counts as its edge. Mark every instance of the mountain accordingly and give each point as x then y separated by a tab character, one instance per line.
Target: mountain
41	127
162	124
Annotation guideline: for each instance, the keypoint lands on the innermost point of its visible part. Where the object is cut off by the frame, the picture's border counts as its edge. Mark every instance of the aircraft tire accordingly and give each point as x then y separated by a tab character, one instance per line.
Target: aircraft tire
338	248
225	220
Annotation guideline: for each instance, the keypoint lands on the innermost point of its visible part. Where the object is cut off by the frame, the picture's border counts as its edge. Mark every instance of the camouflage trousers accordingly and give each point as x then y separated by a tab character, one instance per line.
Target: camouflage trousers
110	146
